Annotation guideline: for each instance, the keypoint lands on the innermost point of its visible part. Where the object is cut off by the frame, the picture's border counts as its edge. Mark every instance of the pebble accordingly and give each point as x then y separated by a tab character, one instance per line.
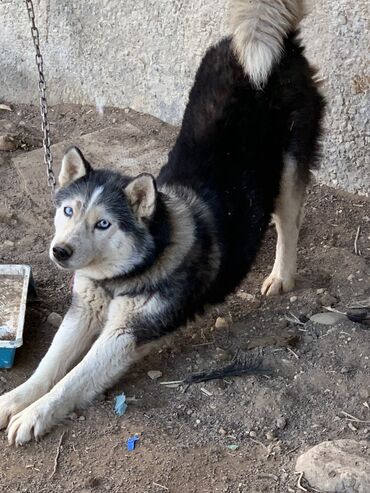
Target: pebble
221	323
281	423
342	20
328	300
252	434
320	291
341	466
8	243
221	354
54	319
81	418
292	299
154	374
5	215
8	143
245	296
222	432
270	436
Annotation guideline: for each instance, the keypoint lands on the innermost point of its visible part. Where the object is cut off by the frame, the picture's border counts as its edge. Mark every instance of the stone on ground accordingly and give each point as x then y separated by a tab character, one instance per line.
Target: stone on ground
340	466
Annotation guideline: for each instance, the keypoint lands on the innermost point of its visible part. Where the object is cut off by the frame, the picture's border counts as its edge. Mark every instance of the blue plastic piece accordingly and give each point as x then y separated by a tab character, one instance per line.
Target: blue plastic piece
7	357
131	442
120	405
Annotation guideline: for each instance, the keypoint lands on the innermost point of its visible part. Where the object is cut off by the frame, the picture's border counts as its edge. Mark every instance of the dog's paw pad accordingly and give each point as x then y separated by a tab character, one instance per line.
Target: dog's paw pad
273	285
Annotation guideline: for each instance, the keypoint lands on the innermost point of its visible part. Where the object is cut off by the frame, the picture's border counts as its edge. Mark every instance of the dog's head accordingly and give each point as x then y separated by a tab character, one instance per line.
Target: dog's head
102	217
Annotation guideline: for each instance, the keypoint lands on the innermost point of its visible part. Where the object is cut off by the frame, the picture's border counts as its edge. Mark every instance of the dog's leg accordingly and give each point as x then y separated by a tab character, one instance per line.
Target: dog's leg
75	335
111	354
287	217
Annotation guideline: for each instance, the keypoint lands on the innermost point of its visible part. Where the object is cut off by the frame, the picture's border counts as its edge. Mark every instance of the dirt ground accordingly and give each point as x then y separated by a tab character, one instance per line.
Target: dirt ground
185	433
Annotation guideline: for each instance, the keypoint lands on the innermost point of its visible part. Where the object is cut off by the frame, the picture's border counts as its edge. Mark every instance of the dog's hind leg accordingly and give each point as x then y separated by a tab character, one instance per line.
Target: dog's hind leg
287	217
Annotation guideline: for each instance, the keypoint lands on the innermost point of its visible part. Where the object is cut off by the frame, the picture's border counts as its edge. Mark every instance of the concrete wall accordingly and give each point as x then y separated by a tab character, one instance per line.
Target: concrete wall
144	53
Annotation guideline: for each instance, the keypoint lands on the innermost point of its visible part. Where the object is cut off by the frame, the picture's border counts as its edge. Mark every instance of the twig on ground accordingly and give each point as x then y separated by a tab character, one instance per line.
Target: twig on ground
160	486
57	456
293	353
299	481
349	417
357	251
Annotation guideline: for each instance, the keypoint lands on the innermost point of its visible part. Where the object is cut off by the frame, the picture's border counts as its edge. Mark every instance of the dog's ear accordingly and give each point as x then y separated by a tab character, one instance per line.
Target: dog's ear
74	166
141	193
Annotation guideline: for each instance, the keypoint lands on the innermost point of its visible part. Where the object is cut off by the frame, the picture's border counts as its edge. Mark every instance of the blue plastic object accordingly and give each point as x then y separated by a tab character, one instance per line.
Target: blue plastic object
131	442
7	357
120	405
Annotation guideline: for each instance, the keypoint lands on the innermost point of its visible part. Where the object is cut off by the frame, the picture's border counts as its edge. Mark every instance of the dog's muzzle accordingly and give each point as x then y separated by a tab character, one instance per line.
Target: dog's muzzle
62	252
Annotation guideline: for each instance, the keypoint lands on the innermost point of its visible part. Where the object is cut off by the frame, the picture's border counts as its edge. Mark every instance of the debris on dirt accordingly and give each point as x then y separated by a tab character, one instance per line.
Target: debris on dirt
8	143
292	299
360	315
340	465
57	455
221	323
154	374
54	319
120	404
242	364
325	318
132	441
328	300
5	107
246	296
278	340
221	354
233	447
281	423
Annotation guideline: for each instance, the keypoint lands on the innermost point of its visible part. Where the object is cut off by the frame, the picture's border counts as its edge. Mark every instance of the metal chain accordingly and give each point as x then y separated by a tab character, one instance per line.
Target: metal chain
48	158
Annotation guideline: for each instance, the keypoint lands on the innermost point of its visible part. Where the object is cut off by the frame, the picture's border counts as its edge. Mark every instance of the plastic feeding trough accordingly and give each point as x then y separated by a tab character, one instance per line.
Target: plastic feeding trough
14	285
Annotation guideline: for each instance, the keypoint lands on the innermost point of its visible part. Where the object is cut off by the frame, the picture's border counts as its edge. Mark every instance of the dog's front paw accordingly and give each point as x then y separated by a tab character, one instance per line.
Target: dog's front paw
31	423
10	404
274	285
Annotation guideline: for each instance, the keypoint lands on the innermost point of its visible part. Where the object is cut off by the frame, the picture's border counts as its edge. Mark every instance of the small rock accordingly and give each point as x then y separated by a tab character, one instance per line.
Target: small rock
72	416
340	466
8	143
252	434
81	418
221	323
342	20
154	374
5	215
292	299
8	243
5	107
54	319
350	277
320	291
245	296
270	436
327	318
221	354
328	300
222	432
127	110
281	423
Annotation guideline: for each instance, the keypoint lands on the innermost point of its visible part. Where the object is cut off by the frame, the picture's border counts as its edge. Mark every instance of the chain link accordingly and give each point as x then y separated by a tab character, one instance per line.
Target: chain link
48	158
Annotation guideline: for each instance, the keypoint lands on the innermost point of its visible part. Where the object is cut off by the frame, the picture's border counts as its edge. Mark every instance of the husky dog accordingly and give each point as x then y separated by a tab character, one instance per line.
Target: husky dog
148	254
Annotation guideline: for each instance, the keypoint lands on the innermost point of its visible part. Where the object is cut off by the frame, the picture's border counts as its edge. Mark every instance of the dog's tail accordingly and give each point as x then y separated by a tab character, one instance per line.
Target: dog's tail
259	28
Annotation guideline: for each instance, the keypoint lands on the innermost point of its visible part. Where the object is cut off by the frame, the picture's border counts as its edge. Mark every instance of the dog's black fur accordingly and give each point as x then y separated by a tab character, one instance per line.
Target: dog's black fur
230	150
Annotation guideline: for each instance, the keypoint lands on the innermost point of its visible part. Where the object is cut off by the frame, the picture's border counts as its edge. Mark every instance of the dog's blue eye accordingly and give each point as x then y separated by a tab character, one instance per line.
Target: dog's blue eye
102	224
68	211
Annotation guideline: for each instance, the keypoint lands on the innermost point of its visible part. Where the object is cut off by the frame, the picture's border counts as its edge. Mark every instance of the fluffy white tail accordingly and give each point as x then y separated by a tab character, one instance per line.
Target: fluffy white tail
259	28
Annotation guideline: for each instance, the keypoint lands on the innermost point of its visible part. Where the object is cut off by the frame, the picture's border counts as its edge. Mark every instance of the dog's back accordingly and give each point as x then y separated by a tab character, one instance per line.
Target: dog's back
254	104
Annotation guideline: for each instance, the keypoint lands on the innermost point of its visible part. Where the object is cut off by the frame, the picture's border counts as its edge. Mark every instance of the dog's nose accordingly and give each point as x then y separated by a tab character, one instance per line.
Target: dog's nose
62	252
